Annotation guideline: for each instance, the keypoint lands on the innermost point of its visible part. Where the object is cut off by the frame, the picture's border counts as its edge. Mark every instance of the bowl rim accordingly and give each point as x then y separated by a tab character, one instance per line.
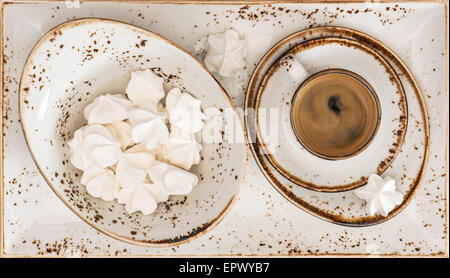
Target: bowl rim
206	227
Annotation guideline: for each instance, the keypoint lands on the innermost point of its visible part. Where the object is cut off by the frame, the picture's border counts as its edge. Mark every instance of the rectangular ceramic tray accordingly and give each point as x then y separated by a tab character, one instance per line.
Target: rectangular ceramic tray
34	222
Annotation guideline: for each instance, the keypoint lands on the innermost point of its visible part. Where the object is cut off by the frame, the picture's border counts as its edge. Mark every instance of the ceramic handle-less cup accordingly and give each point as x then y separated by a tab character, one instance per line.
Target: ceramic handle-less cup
335	114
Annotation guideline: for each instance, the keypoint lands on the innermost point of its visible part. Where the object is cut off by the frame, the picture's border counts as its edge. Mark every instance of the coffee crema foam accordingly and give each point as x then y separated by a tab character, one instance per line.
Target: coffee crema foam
335	114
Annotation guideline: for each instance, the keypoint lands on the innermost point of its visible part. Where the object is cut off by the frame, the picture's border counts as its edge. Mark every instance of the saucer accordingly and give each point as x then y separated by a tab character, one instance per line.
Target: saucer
345	208
291	158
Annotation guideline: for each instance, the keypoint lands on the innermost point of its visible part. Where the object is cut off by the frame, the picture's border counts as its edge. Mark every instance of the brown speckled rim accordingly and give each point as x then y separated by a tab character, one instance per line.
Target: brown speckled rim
370	90
385	52
197	232
384	164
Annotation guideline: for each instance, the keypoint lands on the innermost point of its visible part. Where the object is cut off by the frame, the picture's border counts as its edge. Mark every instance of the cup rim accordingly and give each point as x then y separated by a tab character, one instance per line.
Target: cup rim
373	95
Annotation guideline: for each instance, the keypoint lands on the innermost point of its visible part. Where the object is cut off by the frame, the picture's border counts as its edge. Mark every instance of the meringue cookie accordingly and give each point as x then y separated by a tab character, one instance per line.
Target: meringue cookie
106	109
145	86
225	53
148	127
132	167
138	198
121	130
175	181
182	149
212	131
101	183
380	195
158	192
184	111
78	156
93	144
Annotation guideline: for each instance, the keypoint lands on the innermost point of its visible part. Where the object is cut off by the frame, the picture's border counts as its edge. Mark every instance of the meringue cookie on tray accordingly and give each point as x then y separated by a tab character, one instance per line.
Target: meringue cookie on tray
225	53
380	195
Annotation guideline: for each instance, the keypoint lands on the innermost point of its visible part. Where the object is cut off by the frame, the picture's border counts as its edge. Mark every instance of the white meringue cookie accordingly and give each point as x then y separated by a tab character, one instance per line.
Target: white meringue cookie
184	111
94	144
380	195
182	149
132	167
148	127
225	53
158	192
138	198
103	148
106	109
175	181
145	86
101	183
121	130
78	156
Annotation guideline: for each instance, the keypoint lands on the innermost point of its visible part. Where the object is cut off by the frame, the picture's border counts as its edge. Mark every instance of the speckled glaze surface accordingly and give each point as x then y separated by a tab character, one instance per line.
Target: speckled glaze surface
345	207
81	59
277	88
262	222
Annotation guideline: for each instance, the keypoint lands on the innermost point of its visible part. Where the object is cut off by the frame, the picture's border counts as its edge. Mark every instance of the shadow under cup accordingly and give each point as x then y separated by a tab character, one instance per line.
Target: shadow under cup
335	114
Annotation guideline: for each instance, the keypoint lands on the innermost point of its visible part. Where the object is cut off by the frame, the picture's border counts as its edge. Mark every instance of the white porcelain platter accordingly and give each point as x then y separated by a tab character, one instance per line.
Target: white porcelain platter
79	60
277	90
34	221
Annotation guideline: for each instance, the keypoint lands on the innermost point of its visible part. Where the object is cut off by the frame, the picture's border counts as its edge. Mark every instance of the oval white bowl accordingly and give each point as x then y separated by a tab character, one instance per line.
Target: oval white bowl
81	59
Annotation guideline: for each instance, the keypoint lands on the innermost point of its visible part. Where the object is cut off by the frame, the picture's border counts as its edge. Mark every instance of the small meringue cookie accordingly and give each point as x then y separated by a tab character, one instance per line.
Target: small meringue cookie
225	53
212	131
94	144
106	109
78	156
133	166
145	86
175	181
172	98
158	192
380	195
101	183
148	127
103	148
138	198
121	130
184	111
182	149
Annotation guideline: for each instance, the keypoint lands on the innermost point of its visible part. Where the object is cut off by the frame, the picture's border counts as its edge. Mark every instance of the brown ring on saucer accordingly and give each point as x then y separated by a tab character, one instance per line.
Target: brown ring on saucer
342	129
400	134
276	51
